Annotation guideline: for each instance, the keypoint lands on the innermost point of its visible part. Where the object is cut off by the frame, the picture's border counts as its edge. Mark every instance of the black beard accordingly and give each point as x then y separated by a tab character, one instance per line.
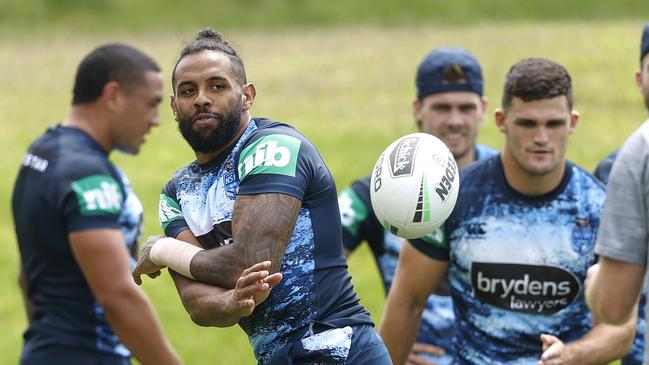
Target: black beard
214	139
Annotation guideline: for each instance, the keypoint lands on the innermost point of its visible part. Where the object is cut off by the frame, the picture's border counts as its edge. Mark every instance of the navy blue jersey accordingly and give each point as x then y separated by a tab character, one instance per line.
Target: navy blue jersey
483	152
517	263
272	157
67	184
360	224
603	168
636	354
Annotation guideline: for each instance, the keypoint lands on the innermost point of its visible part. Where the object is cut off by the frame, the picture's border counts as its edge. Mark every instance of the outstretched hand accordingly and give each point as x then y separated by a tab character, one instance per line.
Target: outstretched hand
252	288
144	264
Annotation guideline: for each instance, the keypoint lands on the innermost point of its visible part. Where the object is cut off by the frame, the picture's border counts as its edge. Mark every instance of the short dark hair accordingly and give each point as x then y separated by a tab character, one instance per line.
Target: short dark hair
110	62
536	79
208	39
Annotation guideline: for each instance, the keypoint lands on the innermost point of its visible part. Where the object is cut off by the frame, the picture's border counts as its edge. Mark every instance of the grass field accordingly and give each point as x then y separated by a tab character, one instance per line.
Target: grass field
348	88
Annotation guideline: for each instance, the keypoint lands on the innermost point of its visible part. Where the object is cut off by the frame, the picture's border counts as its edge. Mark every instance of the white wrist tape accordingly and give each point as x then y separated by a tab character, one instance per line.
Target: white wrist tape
175	254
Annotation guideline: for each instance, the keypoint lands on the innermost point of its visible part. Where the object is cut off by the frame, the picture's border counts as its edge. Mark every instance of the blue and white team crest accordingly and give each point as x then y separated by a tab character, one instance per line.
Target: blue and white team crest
230	179
583	236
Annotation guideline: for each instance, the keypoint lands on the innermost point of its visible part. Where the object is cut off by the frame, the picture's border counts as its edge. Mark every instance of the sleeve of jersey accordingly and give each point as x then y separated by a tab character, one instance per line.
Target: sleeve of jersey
91	197
353	212
170	213
284	163
434	245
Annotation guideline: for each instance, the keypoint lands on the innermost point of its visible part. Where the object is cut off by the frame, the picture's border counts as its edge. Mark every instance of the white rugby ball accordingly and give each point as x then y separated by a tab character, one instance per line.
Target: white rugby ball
414	185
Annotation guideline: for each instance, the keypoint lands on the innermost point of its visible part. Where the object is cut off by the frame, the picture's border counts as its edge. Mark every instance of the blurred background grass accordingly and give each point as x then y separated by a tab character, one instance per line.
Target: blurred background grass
340	71
101	15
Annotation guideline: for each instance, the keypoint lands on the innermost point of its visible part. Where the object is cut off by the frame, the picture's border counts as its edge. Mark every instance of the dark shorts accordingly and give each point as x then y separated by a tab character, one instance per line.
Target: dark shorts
62	355
323	345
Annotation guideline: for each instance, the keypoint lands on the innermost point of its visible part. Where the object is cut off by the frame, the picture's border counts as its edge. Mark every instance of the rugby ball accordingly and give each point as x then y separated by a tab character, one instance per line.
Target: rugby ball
414	185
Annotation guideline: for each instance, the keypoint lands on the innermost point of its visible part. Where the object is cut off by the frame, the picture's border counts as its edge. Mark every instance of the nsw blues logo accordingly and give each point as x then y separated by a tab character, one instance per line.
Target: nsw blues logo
583	235
230	179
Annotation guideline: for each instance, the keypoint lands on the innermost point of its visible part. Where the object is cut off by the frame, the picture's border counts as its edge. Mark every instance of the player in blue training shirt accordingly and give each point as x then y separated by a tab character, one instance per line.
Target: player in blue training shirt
78	221
450	106
602	172
517	245
258	190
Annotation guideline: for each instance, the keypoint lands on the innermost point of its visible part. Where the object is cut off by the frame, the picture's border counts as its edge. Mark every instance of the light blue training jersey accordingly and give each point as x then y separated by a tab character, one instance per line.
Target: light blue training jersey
517	263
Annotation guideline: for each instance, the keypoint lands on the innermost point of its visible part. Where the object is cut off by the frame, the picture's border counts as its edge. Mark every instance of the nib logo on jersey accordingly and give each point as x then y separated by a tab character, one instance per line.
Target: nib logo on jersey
273	154
98	195
402	158
524	288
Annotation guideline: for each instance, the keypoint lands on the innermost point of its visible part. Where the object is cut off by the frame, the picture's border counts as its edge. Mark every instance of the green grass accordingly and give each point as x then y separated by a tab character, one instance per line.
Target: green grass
349	89
103	15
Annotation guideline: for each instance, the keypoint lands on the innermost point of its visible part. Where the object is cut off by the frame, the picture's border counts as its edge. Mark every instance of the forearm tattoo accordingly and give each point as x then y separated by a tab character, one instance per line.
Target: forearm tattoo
265	223
261	228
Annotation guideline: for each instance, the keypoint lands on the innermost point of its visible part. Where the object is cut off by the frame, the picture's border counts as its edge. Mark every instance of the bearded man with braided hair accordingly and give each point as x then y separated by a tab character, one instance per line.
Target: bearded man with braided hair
257	191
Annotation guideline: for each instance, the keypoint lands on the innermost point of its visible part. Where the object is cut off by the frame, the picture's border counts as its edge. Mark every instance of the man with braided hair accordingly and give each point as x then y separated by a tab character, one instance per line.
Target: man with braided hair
258	190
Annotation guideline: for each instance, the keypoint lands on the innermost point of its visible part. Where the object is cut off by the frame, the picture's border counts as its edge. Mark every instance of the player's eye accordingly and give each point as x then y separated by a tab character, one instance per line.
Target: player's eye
556	123
442	108
526	123
469	108
186	92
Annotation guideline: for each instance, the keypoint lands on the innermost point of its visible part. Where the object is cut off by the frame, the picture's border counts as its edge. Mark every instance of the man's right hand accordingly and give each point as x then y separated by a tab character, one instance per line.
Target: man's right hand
144	263
418	347
253	287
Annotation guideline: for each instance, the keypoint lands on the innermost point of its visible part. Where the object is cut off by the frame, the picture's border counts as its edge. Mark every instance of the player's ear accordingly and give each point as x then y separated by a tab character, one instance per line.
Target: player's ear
574	119
484	103
500	117
111	95
172	104
416	111
416	107
248	96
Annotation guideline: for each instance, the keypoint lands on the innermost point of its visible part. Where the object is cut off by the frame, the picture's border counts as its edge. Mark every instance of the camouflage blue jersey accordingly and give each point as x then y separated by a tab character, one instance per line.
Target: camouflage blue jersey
636	354
67	184
272	157
360	224
517	263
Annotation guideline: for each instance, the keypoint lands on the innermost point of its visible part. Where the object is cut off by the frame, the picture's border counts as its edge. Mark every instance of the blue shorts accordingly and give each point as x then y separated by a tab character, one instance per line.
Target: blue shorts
62	355
323	345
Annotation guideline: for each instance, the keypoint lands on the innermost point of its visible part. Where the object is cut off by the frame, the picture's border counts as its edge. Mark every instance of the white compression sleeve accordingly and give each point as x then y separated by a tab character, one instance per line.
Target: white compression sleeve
175	254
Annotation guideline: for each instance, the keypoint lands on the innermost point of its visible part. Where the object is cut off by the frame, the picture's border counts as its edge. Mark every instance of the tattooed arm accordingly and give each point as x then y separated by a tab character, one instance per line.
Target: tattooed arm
261	227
